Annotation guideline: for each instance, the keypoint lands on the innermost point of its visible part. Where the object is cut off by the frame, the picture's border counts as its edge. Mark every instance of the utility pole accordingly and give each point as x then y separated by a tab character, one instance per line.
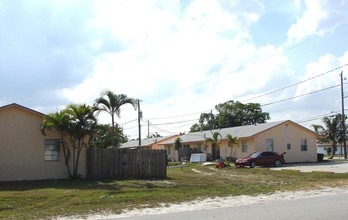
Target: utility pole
343	120
148	128
140	115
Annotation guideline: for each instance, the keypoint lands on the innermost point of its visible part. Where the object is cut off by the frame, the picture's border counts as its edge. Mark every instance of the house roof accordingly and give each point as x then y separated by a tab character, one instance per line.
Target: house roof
15	105
144	142
240	132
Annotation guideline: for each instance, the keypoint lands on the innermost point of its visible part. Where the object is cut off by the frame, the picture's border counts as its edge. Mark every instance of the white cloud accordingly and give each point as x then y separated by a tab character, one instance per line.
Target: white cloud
314	69
320	17
178	58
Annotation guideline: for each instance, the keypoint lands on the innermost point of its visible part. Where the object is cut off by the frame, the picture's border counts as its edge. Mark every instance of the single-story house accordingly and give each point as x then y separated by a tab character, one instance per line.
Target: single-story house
25	153
148	143
325	147
298	142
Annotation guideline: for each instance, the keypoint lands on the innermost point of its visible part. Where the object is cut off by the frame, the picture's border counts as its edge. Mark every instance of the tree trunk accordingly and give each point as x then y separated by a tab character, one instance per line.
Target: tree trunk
334	148
76	159
113	130
66	153
79	148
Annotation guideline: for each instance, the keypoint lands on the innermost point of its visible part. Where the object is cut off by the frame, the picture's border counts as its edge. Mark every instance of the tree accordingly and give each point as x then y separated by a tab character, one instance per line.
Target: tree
111	103
102	137
154	135
215	144
75	124
231	141
60	121
177	143
81	126
332	133
231	114
206	122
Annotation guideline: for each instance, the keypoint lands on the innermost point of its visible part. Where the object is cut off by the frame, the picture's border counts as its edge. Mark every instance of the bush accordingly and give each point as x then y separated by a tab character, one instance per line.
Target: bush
320	157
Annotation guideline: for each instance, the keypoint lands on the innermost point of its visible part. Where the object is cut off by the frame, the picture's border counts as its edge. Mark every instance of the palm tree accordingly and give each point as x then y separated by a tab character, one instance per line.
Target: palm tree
177	143
231	141
111	103
82	123
332	133
77	123
178	146
60	121
215	144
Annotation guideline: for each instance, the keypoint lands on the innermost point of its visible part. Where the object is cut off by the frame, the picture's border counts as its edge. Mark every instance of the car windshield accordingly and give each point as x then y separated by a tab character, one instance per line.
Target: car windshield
255	154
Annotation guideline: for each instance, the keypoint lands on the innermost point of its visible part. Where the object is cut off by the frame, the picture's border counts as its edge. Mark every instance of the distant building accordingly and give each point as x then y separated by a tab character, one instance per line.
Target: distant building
298	142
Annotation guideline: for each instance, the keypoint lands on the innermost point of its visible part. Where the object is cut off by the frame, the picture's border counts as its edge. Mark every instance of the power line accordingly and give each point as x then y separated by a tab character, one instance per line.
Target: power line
262	59
316	117
163	130
178	122
127	122
295	84
178	116
331	87
262	95
287	99
271	103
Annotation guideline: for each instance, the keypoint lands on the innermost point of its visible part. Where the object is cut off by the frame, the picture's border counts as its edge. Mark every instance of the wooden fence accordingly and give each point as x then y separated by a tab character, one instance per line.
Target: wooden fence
126	163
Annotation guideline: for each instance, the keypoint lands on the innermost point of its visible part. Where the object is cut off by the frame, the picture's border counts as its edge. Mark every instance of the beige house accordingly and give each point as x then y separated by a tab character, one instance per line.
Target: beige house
25	153
298	142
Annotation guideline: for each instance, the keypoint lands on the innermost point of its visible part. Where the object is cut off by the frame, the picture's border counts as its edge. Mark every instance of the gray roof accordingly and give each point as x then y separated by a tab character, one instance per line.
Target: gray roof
240	132
144	142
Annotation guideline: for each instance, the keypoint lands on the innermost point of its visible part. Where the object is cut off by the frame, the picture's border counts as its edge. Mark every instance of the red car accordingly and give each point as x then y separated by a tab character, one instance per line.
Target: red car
261	159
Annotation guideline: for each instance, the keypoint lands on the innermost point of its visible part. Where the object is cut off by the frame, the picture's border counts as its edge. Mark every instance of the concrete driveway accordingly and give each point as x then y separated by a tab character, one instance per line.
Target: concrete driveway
327	166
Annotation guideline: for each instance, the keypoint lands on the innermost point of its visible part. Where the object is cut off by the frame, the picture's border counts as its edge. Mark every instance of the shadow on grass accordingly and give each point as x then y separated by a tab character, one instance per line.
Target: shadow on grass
81	184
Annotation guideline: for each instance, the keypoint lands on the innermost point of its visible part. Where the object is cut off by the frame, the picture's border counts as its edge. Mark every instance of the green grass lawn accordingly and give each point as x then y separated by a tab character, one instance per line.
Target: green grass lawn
45	199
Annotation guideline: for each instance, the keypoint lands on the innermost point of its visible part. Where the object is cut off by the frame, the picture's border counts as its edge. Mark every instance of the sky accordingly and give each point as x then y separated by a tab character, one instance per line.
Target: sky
179	57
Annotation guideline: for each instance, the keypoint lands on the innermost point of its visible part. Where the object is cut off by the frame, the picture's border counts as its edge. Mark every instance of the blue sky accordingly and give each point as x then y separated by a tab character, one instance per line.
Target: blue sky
181	58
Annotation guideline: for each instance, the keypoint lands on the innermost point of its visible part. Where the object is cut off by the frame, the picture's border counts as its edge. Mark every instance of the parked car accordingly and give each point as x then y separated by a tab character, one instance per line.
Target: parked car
261	159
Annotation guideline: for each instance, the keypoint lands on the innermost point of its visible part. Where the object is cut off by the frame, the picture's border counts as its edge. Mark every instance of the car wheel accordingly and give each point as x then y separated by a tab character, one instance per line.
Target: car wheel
277	163
252	164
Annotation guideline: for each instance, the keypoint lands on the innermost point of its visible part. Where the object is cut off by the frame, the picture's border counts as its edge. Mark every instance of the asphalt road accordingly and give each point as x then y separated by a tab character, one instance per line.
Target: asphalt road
321	207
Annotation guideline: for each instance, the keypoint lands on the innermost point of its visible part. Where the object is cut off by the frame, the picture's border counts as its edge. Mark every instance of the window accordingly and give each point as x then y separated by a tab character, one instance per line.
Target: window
269	145
288	146
244	146
267	154
200	149
303	144
52	149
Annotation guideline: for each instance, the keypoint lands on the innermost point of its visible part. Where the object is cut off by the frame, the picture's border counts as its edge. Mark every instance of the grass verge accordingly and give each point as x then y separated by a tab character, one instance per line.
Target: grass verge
47	199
